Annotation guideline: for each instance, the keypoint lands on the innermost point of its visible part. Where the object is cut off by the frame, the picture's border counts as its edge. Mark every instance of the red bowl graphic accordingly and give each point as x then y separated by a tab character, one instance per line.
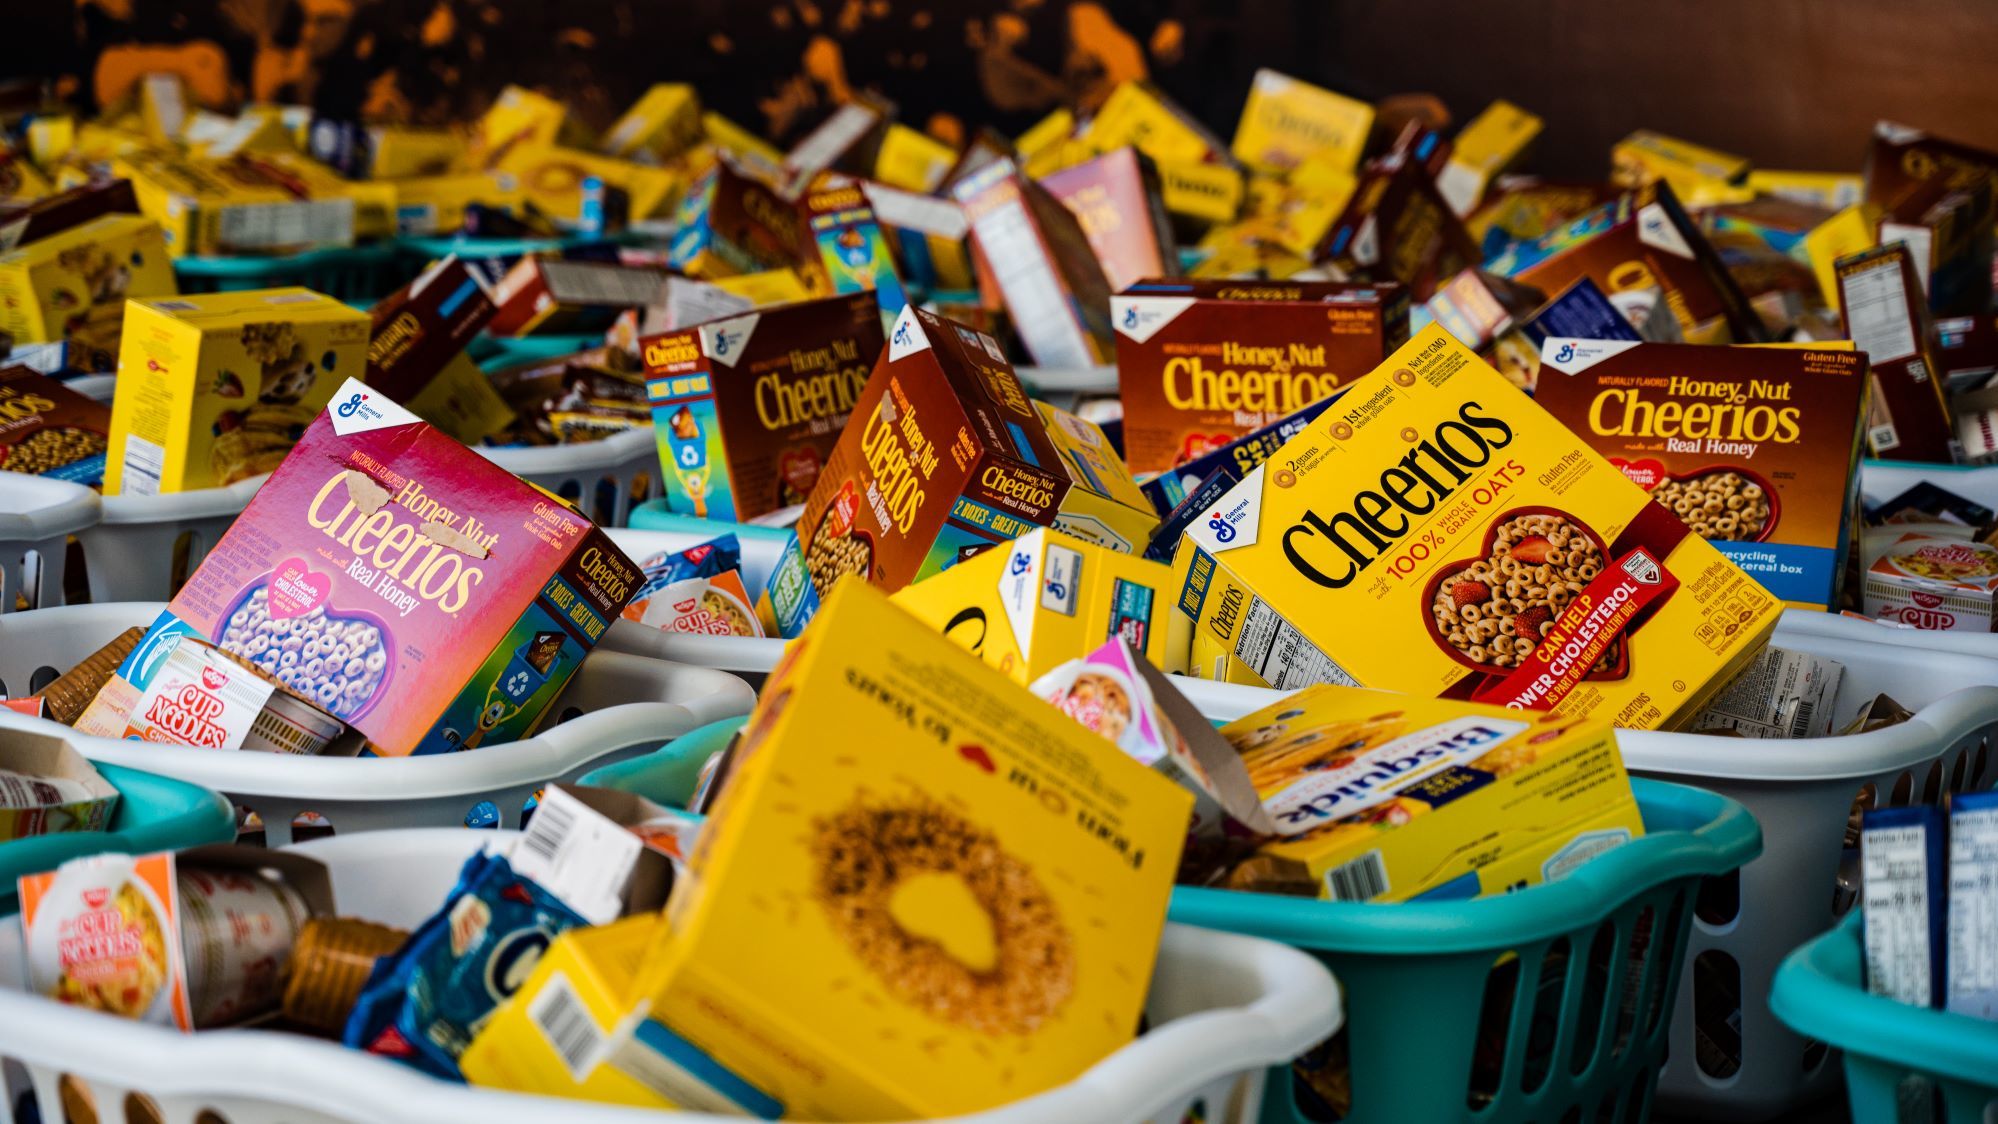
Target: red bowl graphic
1618	651
1768	493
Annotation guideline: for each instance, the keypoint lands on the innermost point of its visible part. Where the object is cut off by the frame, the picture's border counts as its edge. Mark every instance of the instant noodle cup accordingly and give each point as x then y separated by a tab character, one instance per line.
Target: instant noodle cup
1945	584
103	932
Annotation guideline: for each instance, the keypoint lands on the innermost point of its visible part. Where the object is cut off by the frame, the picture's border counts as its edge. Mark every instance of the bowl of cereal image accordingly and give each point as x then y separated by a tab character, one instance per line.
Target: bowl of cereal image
832	556
338	659
1490	612
1722	503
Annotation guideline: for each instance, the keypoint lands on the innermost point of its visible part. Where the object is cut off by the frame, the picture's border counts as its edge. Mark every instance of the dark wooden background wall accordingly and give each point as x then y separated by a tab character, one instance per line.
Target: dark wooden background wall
1790	83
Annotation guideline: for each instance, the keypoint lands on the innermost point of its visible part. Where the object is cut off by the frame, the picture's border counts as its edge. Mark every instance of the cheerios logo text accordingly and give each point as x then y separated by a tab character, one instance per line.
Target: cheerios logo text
392	554
1277	380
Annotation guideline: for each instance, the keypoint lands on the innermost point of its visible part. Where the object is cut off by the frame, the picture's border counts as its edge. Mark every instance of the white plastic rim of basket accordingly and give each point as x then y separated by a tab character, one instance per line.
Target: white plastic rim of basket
97	388
573	471
629	704
1880	481
37	516
130	552
1227	1007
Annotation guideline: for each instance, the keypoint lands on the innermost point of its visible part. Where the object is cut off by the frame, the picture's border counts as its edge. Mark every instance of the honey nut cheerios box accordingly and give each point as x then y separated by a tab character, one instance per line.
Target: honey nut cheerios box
1383	797
1014	948
406	585
1029	605
943	456
1438	533
217	387
1756	448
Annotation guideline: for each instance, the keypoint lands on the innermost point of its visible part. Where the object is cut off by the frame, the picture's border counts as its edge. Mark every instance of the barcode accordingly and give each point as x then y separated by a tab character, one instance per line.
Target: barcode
566	1023
144	461
548	830
1358	880
1800	723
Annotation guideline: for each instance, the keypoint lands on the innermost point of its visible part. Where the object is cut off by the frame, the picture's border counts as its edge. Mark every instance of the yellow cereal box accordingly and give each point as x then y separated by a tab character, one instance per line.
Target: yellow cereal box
1138	114
772	286
552	179
1045	598
664	122
401	154
430	205
1844	234
740	142
74	283
1287	121
218	387
1486	146
1700	177
1056	127
1437	532
911	160
1205	192
51	138
1013	946
1382	797
517	117
240	205
1834	191
1104	504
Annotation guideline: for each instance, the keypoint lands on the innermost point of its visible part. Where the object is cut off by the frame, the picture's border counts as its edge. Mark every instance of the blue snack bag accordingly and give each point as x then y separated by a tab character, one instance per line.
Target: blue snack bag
423	1004
716	556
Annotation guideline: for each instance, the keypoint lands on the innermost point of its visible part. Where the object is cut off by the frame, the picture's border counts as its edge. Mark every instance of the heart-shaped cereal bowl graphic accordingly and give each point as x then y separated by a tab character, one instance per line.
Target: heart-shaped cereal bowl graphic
1527	550
1723	480
340	660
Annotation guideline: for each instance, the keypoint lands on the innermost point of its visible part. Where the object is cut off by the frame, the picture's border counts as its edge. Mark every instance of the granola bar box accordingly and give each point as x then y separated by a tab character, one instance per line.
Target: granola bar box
405	585
1436	532
943	456
1756	448
217	387
748	408
1200	363
941	866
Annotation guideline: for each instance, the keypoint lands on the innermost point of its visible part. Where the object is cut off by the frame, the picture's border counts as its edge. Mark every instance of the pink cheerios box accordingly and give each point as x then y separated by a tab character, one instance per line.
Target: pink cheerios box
405	584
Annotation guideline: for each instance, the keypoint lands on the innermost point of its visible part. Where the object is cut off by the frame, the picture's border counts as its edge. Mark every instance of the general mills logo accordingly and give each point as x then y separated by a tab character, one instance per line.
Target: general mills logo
1020	563
1566	353
1131	316
725	342
1057	589
351	406
901	337
1223	530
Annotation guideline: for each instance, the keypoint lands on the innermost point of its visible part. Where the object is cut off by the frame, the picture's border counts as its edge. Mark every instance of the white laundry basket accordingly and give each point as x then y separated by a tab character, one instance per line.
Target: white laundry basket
604	479
1223	1008
617	705
37	516
748	657
143	547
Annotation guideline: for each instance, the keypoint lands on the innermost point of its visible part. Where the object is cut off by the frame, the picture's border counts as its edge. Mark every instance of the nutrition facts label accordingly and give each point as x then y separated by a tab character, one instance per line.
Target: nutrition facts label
1895	865
144	462
1972	962
1281	655
1877	307
1033	293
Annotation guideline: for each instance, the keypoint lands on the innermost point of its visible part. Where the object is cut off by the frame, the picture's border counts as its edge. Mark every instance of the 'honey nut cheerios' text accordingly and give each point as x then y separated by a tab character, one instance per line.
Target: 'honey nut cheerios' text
396	549
1274	380
1742	413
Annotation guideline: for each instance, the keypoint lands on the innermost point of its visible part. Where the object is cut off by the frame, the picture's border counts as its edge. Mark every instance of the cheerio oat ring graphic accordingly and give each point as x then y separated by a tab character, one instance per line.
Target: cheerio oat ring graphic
889	866
1490	611
1723	502
340	659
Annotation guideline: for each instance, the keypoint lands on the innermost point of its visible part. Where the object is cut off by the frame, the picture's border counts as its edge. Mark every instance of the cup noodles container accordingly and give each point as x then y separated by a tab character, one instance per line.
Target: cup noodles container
1935	583
104	933
1382	797
748	408
1117	199
218	387
1438	533
1039	259
1640	242
1755	448
436	601
943	456
173	689
1035	602
1200	363
1880	303
882	746
47	429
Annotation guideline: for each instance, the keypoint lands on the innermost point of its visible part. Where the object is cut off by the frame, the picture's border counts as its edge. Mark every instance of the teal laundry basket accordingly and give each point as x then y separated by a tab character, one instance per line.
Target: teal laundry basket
154	813
1547	1005
1895	1054
493	353
359	275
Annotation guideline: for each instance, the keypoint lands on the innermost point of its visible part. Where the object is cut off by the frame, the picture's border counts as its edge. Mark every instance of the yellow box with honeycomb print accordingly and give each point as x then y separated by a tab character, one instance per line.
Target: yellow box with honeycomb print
217	387
1439	533
1383	797
924	891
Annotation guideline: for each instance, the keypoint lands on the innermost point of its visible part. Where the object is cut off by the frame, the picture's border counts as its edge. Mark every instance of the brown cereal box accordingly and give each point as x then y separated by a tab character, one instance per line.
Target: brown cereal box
942	457
1880	301
1116	197
416	352
1200	363
1756	448
1437	532
1398	227
47	429
1901	158
549	296
748	408
1948	233
1039	259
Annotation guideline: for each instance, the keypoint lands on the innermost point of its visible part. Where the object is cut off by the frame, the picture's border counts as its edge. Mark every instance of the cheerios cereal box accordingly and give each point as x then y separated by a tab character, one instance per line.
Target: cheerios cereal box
1383	797
1436	532
217	387
1756	448
406	585
1011	950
